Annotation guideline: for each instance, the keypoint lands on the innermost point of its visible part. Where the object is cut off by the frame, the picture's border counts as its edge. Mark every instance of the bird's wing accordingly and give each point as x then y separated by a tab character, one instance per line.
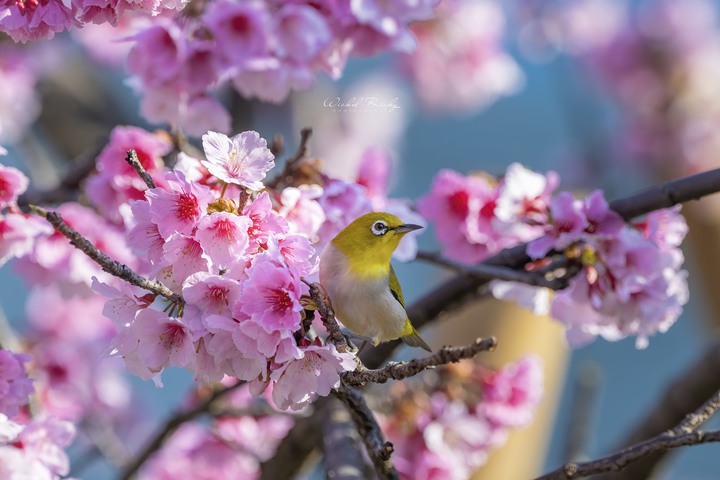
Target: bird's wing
395	287
410	336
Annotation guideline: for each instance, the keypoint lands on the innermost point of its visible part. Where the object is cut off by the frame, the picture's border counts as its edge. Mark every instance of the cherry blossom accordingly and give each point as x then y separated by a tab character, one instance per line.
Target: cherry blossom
15	386
12	184
299	381
34	450
243	159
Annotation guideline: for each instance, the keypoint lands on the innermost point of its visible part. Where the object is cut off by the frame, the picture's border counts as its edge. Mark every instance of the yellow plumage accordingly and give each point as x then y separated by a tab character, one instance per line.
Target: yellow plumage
355	271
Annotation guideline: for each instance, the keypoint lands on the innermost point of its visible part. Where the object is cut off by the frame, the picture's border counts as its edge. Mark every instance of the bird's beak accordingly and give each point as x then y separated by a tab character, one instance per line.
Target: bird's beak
406	227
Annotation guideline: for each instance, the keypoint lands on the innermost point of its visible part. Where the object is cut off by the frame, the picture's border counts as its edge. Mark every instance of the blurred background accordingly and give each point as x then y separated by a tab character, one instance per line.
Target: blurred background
610	94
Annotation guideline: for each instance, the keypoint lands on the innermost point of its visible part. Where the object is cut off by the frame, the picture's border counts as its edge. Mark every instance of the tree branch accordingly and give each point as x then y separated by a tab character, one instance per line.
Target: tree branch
377	448
134	162
686	393
341	444
402	370
284	178
489	272
327	315
621	459
109	265
171	425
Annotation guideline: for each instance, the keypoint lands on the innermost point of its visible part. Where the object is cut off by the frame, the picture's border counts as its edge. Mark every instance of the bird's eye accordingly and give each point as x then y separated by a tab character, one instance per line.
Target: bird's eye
379	228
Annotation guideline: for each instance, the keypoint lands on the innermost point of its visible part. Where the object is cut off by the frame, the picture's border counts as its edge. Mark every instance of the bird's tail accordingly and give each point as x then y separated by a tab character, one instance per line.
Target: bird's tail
415	340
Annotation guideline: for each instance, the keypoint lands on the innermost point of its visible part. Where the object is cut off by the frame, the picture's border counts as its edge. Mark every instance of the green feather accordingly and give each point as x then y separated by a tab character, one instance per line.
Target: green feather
410	335
395	287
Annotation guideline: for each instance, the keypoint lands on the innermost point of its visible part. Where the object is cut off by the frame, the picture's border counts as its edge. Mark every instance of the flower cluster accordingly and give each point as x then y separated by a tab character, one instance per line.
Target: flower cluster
459	63
15	386
115	182
476	216
631	280
219	243
662	79
35	449
447	431
25	21
266	48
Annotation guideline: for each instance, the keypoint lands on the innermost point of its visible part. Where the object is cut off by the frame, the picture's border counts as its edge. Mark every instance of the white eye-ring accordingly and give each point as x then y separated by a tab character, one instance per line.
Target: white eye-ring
379	228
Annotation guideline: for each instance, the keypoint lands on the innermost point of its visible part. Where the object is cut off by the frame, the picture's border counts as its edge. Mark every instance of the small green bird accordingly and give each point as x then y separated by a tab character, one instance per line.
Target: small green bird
355	271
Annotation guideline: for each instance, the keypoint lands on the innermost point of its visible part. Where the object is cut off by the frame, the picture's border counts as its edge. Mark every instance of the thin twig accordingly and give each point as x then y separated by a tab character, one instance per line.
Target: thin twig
621	459
693	420
686	393
134	162
171	425
109	265
277	145
493	272
402	370
378	449
285	177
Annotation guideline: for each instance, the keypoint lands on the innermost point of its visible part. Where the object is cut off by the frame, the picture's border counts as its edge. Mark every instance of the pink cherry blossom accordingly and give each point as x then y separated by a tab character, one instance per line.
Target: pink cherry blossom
224	237
54	260
271	295
177	208
116	182
196	452
243	159
35	450
458	66
183	256
15	386
302	32
265	222
299	382
342	203
239	23
210	294
567	225
12	183
462	209
158	53
25	21
18	233
236	349
153	342
297	252
299	205
511	394
143	235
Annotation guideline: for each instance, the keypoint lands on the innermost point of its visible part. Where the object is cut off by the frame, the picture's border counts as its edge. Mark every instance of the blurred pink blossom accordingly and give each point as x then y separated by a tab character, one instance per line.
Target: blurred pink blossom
460	64
35	450
15	386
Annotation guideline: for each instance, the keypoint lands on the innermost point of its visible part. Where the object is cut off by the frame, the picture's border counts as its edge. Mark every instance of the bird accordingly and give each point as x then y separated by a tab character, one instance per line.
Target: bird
361	284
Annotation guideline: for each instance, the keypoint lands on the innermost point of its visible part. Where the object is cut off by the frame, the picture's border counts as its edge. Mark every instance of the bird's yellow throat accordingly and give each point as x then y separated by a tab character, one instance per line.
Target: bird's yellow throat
367	261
